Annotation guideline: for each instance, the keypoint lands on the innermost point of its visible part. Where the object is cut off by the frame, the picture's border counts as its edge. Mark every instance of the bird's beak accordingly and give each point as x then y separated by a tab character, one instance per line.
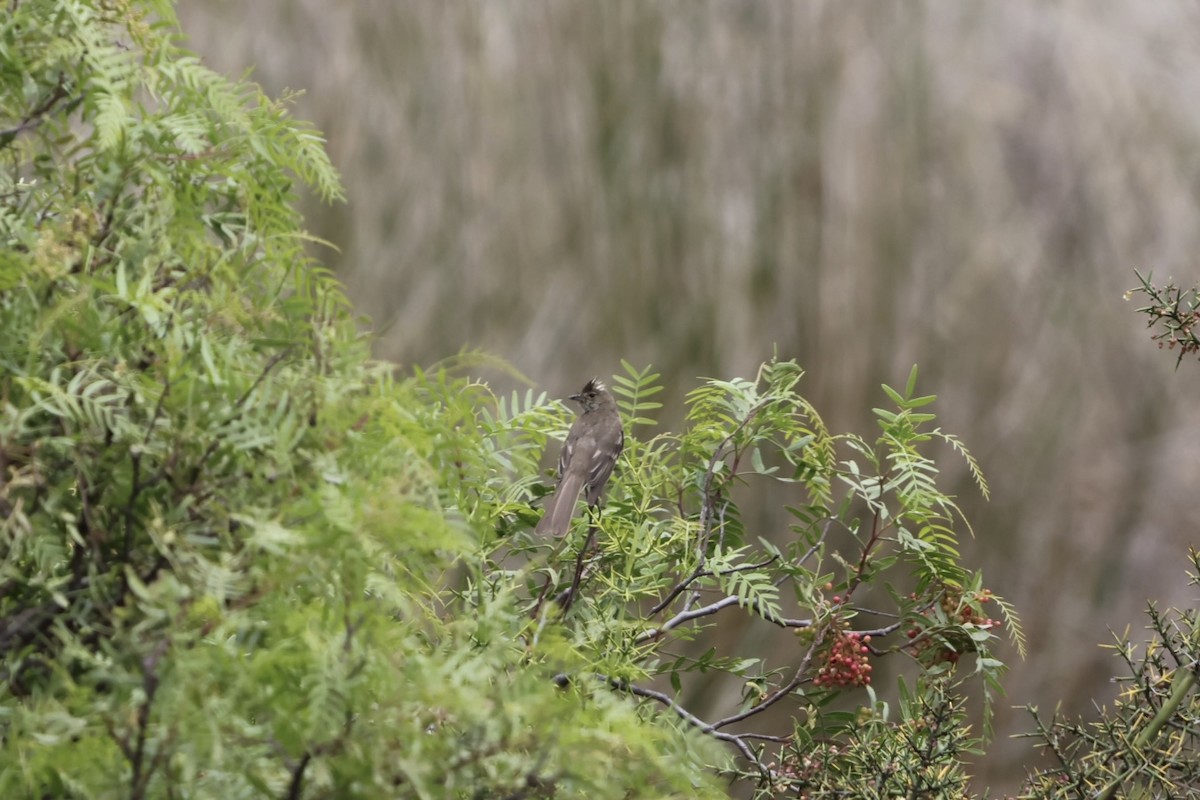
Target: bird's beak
575	397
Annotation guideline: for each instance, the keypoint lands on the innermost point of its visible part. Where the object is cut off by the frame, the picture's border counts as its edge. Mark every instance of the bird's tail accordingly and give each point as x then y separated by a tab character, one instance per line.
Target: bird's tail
561	507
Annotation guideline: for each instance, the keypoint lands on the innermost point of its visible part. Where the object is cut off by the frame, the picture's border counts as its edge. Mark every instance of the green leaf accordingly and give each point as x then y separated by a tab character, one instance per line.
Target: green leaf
893	395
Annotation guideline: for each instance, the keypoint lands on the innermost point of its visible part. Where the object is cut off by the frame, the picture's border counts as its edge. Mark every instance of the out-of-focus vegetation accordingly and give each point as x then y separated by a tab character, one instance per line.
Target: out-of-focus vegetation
1173	313
689	183
224	532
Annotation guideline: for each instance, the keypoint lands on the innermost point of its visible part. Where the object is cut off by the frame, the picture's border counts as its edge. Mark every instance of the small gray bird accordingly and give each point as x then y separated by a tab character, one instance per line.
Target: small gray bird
587	458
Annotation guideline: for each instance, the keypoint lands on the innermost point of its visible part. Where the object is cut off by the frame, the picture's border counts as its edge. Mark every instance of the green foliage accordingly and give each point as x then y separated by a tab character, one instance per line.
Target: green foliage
632	391
616	602
1148	743
225	535
1174	312
239	559
919	754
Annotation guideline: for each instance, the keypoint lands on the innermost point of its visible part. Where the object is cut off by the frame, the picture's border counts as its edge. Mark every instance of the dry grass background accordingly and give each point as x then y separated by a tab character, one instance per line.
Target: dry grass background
691	183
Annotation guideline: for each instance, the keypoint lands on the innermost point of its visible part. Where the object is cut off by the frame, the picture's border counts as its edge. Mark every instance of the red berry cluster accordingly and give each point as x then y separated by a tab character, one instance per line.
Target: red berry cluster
971	612
847	663
932	651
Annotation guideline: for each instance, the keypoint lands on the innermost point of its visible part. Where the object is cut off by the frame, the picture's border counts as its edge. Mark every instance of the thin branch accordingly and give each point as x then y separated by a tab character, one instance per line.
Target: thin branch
35	117
678	590
140	779
296	784
713	608
876	535
699	573
216	442
778	694
536	612
685	616
720	453
566	598
737	739
135	488
136	484
820	540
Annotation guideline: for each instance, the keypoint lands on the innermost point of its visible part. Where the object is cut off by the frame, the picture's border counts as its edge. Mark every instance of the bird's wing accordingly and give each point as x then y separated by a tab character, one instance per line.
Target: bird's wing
604	458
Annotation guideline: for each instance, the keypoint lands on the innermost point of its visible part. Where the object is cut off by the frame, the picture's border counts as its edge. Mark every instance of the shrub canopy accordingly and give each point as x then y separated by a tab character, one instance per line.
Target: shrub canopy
222	527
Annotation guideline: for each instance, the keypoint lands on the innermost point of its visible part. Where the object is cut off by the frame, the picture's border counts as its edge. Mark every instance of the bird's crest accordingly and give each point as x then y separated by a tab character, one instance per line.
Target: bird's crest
594	385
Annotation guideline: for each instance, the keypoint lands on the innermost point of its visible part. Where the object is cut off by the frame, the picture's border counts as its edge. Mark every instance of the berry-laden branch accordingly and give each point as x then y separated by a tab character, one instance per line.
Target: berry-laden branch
673	555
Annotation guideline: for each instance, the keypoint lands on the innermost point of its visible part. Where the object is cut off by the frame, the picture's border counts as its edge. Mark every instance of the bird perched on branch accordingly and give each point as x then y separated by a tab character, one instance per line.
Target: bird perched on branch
587	458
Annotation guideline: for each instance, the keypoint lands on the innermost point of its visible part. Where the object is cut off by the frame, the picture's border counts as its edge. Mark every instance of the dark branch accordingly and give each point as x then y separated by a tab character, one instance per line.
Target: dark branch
35	117
296	785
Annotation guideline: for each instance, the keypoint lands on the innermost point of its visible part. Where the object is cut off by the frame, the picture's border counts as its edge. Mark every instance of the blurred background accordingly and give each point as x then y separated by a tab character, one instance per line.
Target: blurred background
698	184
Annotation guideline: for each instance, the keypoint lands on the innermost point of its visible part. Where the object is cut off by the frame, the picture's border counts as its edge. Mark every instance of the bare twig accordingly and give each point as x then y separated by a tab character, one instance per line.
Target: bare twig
778	694
736	739
567	598
709	610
